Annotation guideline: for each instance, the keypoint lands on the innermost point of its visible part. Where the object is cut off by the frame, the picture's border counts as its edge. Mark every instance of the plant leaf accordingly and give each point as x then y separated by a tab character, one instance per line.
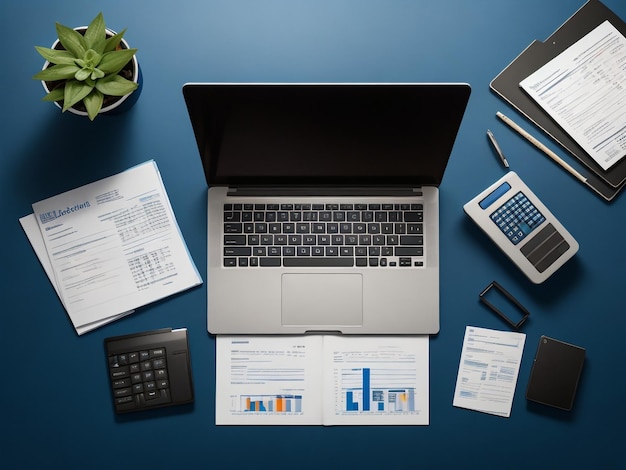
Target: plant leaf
113	62
93	103
57	72
95	31
96	74
72	41
110	44
74	92
55	95
82	74
115	85
54	56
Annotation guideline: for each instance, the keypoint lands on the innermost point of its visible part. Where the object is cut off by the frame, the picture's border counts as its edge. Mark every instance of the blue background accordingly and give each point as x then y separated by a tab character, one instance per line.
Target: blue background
56	409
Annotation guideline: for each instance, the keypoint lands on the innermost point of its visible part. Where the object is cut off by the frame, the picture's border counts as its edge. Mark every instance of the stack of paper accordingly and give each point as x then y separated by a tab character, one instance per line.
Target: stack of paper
111	246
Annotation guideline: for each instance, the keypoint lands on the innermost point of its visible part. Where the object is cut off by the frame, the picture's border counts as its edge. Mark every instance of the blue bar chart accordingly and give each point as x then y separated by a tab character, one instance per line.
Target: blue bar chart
378	390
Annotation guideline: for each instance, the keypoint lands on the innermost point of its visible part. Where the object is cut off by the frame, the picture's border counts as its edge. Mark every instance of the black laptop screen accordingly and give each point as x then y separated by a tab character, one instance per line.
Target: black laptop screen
323	134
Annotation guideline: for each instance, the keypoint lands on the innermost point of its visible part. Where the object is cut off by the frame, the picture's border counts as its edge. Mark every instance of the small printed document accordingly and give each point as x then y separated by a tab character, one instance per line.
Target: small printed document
488	370
321	380
111	246
584	90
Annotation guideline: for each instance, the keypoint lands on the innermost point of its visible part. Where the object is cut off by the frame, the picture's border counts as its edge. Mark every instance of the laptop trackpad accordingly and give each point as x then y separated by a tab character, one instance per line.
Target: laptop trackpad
325	300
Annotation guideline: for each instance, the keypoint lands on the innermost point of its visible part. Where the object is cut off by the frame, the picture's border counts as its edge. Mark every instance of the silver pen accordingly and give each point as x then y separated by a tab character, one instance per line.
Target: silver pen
497	147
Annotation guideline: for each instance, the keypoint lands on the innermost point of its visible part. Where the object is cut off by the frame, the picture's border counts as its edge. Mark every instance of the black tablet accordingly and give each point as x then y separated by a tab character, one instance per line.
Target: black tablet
555	373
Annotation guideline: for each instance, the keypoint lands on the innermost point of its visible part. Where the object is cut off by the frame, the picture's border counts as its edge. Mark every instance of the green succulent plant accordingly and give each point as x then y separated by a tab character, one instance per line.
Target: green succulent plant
88	67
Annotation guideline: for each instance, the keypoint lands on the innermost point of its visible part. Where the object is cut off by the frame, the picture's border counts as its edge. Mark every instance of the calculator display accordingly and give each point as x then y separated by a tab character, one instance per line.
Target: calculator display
517	217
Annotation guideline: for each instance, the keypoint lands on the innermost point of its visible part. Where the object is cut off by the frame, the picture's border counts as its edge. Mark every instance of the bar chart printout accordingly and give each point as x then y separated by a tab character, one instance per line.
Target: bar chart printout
376	380
321	379
360	395
272	403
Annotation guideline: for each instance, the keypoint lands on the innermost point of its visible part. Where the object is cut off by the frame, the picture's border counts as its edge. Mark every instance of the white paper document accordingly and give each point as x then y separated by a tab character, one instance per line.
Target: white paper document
584	90
322	380
112	246
488	370
31	228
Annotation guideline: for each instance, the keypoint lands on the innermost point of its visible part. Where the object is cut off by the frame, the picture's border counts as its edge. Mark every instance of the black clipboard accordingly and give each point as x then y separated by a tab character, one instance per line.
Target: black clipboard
606	184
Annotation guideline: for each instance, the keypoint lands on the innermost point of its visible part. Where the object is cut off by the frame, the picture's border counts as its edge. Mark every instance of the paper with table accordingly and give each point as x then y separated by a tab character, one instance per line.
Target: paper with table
322	380
488	370
111	246
584	90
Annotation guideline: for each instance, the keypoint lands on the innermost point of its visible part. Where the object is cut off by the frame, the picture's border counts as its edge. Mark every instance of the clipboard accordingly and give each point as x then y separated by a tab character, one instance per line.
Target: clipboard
606	184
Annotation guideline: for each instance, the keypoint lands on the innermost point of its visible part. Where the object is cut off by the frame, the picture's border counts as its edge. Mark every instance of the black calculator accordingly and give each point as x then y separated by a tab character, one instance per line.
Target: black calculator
148	370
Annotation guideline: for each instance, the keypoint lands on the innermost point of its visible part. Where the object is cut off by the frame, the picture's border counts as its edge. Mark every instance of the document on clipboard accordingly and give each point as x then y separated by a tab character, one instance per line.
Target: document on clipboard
584	90
605	183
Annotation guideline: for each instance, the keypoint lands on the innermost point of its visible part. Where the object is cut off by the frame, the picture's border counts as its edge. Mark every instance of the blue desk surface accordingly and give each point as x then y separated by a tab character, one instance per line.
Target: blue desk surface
55	399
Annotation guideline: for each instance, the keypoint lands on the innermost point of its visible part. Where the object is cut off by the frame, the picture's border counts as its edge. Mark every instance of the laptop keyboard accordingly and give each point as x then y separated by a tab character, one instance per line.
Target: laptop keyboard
323	235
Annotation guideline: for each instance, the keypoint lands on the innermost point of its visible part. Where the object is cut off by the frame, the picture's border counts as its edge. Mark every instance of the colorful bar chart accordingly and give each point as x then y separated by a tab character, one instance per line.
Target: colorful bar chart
361	394
271	403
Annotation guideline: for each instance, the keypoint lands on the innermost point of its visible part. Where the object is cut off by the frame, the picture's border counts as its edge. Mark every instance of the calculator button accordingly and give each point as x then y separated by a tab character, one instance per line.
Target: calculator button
119	372
517	218
139	373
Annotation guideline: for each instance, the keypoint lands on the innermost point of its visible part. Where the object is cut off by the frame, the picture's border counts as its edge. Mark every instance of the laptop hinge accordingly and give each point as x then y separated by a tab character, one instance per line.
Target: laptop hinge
303	191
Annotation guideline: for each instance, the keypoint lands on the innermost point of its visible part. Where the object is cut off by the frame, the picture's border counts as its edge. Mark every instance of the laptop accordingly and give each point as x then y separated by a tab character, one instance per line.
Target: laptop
323	203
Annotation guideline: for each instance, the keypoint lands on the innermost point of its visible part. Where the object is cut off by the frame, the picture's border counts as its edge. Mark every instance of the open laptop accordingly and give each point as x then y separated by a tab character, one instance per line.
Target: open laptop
323	204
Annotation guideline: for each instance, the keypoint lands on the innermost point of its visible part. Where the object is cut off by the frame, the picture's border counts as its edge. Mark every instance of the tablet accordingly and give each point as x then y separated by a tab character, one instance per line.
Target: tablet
555	373
523	227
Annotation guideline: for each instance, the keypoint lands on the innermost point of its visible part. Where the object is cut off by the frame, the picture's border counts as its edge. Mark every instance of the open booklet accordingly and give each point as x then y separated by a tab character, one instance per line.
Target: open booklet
322	380
111	246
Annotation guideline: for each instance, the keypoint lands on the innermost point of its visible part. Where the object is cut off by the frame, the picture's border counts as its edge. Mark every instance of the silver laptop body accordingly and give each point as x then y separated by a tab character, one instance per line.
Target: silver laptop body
317	161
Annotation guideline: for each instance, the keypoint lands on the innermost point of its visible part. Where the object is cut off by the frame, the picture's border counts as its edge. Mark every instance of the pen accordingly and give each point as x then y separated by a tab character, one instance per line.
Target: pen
541	147
497	147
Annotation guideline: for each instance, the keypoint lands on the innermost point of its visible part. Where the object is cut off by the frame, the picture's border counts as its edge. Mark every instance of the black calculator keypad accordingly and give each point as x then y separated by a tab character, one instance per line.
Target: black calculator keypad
149	370
517	217
139	378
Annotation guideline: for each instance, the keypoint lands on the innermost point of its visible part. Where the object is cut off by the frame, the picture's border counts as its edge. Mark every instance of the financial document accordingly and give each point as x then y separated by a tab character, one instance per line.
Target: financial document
321	379
488	370
31	228
584	90
112	246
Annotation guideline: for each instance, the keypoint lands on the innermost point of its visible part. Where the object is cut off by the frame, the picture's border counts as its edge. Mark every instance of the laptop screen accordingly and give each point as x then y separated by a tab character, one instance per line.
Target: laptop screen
325	134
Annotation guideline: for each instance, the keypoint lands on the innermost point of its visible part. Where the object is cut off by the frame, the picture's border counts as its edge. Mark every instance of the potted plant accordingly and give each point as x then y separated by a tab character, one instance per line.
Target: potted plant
90	70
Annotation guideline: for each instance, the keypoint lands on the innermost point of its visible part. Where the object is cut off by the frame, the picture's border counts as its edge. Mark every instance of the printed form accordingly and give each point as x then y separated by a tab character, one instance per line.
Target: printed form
584	90
488	370
31	228
113	246
323	380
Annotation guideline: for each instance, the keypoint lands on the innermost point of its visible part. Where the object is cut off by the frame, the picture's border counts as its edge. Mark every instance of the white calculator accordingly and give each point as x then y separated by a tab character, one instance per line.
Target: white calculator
517	221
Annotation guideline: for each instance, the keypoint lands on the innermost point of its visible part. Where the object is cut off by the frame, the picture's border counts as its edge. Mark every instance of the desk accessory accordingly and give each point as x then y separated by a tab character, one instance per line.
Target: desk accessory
512	301
591	180
148	370
523	227
555	373
90	71
607	184
496	146
541	147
